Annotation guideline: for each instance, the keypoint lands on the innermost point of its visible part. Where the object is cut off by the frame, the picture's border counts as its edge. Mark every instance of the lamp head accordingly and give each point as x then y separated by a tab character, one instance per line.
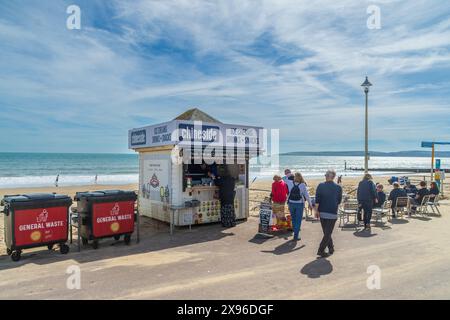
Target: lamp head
366	85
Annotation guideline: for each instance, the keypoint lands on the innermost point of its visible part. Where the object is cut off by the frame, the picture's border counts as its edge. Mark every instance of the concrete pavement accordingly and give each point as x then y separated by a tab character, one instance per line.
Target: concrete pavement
209	262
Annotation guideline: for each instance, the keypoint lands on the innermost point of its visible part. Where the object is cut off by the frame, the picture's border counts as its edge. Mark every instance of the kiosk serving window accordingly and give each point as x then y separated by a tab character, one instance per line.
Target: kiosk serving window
201	174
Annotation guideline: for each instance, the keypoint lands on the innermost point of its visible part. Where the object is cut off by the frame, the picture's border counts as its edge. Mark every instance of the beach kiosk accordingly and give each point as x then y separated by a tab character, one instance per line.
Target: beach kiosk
175	158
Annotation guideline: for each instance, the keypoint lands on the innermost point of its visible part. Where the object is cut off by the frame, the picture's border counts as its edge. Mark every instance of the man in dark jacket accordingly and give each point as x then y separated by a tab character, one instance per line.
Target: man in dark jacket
226	184
367	197
328	197
396	193
410	188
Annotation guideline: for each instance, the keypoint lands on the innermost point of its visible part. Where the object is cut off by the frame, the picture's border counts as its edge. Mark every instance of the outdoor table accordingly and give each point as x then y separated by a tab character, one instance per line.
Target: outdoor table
176	209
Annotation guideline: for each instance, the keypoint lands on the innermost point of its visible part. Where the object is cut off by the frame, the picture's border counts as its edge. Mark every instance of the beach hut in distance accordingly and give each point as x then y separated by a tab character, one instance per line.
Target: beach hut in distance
174	160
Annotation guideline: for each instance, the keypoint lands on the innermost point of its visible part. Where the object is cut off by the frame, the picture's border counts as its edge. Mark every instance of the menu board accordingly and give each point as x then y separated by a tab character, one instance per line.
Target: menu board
265	213
155	186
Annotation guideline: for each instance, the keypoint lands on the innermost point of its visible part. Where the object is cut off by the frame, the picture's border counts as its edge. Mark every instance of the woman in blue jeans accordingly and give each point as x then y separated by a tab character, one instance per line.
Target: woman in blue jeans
298	195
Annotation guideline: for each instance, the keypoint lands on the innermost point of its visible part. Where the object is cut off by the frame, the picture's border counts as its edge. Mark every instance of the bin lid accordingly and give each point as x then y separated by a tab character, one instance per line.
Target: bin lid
103	193
35	197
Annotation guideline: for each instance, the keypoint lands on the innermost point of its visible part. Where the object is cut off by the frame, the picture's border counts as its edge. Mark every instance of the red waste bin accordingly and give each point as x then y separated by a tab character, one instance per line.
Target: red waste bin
35	220
107	213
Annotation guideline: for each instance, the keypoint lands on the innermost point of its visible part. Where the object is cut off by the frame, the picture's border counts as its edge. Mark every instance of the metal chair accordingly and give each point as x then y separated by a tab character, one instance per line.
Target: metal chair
423	207
309	211
384	211
347	209
402	206
433	203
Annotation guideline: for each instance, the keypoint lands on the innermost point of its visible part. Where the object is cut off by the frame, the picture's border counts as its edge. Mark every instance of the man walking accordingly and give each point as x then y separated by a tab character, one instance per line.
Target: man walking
367	197
328	198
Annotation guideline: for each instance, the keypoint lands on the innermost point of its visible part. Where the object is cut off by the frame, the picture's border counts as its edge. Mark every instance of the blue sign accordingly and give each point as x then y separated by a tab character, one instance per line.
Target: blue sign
438	164
426	144
138	137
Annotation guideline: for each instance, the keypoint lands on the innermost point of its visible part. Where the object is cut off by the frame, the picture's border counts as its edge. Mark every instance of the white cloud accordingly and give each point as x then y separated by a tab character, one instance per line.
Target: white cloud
224	56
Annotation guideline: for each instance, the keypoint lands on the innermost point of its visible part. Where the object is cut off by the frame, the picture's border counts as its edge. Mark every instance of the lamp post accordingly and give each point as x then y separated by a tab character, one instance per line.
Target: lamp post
366	85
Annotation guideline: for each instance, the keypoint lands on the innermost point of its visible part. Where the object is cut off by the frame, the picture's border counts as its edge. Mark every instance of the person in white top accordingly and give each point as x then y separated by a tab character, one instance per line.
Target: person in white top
298	195
287	175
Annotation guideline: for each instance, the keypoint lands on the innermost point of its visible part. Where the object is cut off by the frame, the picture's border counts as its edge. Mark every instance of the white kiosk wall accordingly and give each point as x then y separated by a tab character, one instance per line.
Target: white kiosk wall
160	183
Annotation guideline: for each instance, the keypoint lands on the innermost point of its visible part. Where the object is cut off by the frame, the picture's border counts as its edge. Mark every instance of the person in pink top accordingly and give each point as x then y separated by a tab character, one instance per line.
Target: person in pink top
279	197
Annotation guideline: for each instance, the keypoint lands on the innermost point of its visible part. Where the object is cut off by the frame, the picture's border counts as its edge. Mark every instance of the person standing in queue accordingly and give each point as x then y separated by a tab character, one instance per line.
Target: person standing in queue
298	195
279	196
287	175
367	197
226	184
328	199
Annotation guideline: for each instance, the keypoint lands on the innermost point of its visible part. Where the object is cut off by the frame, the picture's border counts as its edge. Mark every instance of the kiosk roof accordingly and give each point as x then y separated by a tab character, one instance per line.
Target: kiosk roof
196	114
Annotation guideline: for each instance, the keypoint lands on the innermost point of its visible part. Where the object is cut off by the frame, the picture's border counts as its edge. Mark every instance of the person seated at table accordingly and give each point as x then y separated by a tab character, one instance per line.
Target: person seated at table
434	191
381	196
423	191
396	193
410	188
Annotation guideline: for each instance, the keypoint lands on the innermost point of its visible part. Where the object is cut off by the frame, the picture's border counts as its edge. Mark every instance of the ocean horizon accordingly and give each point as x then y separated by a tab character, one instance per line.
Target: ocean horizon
20	169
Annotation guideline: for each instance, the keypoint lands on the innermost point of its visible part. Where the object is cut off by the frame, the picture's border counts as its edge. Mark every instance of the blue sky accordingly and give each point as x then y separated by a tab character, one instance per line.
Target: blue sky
292	65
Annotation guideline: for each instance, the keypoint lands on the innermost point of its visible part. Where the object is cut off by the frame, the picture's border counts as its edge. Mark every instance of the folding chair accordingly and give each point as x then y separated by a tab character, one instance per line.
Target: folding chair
402	206
384	211
309	211
423	207
348	208
434	204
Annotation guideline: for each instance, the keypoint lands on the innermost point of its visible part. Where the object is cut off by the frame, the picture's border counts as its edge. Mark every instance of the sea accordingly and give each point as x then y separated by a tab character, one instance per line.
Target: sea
20	170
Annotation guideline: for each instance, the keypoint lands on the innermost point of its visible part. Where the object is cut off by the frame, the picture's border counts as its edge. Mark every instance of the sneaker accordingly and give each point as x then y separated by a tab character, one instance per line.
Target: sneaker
322	254
330	251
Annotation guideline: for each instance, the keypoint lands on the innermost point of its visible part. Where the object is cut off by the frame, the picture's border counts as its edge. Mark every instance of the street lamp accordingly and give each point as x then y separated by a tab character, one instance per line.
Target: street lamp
366	85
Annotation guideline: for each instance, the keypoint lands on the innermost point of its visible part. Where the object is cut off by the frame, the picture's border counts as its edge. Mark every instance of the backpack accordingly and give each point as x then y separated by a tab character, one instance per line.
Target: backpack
295	194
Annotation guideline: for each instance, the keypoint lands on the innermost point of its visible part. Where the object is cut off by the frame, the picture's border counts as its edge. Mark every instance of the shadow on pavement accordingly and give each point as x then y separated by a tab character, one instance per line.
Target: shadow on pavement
261	238
284	248
364	234
317	268
421	218
154	237
399	221
382	225
349	227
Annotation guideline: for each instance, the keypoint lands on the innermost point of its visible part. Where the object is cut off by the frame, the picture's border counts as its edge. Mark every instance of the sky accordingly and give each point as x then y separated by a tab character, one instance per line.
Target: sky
296	66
